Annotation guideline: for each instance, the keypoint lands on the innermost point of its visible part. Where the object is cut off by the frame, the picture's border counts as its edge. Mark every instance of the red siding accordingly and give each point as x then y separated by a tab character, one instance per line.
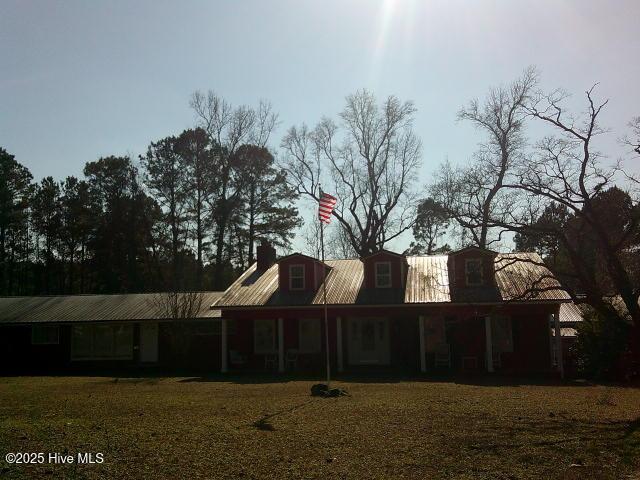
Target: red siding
530	329
313	272
456	264
398	269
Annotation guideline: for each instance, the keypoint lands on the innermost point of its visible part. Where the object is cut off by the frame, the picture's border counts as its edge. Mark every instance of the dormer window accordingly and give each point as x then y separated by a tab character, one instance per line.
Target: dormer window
473	272
383	274
296	277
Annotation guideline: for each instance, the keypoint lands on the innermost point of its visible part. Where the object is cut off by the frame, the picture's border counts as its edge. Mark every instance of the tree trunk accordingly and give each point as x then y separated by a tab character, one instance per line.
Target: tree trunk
199	272
82	254
252	220
221	227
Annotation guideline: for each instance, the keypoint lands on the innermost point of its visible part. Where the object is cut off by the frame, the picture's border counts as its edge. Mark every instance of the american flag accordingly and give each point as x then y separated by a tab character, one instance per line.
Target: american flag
327	204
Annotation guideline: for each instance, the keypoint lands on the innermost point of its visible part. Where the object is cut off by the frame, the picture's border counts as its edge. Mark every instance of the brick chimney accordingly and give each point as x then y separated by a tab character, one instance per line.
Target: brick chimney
265	255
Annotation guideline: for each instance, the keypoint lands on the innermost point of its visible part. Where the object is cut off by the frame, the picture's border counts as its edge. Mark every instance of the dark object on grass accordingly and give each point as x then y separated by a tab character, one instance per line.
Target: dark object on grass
263	424
321	390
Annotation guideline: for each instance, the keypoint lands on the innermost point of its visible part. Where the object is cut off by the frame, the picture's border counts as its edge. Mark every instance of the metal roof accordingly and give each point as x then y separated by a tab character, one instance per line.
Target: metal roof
566	332
93	308
519	277
570	313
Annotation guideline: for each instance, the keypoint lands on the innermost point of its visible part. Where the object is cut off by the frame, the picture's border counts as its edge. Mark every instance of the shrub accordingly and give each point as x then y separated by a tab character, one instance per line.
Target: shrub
600	345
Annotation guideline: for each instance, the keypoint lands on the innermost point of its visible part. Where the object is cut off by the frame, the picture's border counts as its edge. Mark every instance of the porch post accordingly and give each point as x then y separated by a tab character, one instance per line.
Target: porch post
423	359
559	360
224	365
280	345
489	342
339	343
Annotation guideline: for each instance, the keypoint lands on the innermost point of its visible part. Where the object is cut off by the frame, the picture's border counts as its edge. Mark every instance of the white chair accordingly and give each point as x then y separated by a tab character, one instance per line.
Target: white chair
442	357
271	361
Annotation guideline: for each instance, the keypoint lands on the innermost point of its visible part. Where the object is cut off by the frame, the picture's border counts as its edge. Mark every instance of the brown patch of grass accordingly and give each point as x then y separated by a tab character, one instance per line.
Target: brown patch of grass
166	428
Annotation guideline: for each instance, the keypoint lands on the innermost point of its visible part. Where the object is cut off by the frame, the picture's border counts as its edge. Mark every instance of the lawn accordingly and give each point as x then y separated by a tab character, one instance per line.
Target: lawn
195	428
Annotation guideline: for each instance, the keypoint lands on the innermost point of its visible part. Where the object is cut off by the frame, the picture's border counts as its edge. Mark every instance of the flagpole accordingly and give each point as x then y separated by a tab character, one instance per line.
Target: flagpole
324	298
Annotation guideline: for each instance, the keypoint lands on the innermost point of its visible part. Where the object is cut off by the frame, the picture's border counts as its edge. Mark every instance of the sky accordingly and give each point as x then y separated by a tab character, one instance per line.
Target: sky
81	80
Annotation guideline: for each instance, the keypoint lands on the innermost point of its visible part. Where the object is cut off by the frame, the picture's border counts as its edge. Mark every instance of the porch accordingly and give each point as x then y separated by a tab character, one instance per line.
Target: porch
410	342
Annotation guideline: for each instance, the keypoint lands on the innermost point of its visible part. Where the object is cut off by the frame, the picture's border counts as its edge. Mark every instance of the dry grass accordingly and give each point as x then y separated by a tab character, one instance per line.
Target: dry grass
176	428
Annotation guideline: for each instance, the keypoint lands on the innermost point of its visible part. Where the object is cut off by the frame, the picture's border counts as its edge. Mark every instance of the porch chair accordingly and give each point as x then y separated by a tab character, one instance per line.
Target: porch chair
442	357
271	361
236	358
291	360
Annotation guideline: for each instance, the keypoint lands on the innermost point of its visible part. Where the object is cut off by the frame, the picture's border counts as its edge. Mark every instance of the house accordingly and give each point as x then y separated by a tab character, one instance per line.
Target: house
472	310
91	332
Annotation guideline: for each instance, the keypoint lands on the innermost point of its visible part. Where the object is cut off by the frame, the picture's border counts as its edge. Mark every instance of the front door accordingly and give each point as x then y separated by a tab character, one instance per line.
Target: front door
149	342
368	341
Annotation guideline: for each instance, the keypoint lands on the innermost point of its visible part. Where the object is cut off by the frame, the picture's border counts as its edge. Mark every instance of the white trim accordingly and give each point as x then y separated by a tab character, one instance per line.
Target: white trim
304	271
395	305
467	261
375	271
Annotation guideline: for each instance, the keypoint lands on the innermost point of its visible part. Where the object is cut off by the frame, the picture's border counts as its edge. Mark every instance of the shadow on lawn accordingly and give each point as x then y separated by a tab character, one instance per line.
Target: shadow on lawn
156	374
479	380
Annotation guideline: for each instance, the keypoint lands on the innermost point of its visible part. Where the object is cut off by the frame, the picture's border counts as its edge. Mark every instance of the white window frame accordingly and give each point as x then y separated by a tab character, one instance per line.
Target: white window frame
377	275
93	327
316	342
52	342
259	350
304	271
468	262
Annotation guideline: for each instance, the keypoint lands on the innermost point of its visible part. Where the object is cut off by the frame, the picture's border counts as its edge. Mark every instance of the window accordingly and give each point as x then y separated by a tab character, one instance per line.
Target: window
45	335
309	335
473	272
264	336
501	334
296	277
383	274
102	342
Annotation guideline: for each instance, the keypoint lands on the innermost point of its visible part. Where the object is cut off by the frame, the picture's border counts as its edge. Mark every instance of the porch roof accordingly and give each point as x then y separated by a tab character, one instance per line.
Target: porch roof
519	277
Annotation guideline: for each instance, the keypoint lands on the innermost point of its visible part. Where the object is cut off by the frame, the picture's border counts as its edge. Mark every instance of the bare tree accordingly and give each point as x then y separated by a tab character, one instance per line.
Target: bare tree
634	140
228	128
179	307
474	195
337	242
369	161
566	171
311	239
